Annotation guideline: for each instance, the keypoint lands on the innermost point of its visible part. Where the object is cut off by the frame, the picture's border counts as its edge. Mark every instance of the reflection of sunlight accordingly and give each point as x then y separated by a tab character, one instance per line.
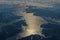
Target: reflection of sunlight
33	25
31	31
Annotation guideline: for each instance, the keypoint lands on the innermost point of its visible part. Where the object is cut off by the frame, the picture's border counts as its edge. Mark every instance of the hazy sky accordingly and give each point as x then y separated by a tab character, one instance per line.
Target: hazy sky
42	3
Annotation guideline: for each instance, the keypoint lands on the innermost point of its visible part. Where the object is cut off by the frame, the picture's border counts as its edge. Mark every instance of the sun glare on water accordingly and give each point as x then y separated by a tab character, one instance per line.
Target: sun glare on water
33	25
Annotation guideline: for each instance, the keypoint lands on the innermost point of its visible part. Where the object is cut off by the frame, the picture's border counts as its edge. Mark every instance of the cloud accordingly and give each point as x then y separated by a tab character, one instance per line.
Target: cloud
14	21
9	23
38	3
53	20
